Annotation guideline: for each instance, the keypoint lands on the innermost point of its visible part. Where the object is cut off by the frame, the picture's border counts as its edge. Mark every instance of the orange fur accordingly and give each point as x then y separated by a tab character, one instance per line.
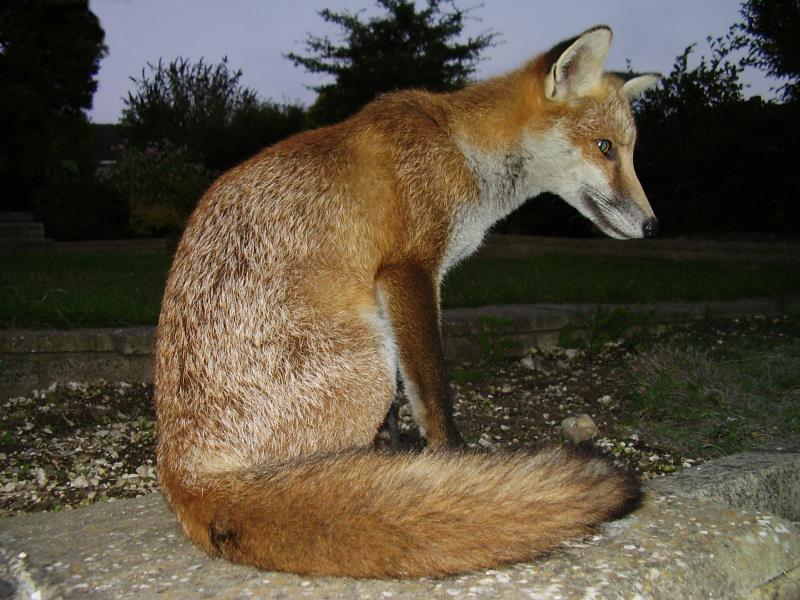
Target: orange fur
309	276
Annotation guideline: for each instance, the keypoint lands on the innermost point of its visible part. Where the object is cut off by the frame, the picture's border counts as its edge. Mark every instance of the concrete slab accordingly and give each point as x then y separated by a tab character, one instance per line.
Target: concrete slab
31	359
524	246
766	480
676	546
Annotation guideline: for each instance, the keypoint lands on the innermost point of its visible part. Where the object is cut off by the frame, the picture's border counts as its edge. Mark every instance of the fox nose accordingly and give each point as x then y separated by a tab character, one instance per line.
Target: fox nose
650	228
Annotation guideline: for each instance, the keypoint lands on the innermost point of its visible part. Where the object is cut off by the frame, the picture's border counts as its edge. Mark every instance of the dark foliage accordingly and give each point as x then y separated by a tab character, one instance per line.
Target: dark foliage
50	53
404	48
205	109
771	32
712	162
159	185
73	207
547	215
726	169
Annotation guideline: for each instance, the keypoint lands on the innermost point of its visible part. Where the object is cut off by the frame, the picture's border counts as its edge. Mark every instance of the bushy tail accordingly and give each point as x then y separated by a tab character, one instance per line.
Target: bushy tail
367	514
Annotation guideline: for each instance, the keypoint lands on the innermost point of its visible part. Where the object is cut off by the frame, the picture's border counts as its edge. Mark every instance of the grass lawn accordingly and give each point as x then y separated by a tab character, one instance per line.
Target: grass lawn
612	279
716	389
81	290
84	290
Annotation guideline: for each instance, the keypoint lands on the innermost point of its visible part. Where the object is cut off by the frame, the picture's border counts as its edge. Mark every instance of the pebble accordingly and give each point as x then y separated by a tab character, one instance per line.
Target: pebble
79	482
579	429
40	477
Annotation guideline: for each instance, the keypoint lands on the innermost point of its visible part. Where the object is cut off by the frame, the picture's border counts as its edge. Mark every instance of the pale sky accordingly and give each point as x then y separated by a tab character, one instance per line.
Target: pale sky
255	34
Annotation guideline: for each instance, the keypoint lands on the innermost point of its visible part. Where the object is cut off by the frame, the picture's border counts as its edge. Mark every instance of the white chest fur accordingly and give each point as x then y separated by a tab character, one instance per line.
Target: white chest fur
505	180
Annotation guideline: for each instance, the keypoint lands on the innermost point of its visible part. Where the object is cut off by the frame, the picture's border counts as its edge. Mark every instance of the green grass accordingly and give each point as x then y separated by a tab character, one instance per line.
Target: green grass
717	392
610	279
80	290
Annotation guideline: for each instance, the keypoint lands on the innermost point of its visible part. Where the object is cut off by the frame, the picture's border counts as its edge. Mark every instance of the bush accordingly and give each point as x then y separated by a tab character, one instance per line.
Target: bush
547	215
204	108
729	169
160	186
76	206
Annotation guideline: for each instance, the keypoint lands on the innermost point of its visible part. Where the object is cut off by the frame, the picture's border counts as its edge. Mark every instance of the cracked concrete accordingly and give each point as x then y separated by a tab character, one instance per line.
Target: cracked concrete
689	540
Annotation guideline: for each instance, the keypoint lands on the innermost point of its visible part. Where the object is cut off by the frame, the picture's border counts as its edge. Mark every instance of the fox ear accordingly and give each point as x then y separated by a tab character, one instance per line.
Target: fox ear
577	65
638	84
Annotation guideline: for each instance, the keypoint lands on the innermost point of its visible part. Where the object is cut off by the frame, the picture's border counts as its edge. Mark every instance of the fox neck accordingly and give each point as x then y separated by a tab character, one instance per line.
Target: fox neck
505	178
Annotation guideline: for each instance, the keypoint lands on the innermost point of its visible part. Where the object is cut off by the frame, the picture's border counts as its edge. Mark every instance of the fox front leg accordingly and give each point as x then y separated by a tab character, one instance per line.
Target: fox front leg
409	298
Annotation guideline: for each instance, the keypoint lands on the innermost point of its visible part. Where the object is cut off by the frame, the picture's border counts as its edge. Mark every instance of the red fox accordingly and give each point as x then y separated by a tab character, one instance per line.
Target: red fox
309	276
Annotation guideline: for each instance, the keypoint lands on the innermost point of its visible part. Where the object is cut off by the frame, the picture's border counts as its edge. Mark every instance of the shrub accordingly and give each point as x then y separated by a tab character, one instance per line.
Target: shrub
76	206
206	109
160	185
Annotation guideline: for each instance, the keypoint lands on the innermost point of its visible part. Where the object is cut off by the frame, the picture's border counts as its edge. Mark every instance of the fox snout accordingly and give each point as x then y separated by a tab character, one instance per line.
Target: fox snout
650	228
621	216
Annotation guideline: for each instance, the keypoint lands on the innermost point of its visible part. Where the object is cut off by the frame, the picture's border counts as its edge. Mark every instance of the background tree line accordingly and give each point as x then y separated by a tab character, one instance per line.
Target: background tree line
711	161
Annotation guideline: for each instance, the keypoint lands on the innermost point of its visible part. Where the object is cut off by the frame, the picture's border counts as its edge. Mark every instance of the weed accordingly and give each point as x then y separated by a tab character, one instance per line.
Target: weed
466	373
602	326
718	399
567	338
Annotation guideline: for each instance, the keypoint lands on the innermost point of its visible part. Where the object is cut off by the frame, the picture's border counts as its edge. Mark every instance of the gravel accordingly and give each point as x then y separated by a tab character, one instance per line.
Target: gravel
77	443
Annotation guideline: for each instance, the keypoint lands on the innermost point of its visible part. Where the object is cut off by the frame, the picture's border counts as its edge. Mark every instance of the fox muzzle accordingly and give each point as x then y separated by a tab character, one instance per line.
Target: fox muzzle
650	228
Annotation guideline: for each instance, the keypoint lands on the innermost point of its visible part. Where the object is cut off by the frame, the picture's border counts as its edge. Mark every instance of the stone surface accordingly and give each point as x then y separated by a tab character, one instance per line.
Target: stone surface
766	480
524	246
674	547
31	359
21	231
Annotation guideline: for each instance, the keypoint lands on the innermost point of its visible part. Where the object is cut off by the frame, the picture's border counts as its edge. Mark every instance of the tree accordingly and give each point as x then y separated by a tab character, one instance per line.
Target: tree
712	161
205	109
771	31
50	53
689	91
404	48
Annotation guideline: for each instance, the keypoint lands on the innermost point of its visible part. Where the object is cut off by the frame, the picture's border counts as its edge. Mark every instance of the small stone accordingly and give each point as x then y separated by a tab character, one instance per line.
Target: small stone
486	442
578	429
40	476
79	482
145	471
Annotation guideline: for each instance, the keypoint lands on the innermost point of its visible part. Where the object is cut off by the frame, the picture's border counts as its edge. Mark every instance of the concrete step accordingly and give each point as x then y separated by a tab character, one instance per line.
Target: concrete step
14	246
16	217
21	231
522	246
676	546
31	359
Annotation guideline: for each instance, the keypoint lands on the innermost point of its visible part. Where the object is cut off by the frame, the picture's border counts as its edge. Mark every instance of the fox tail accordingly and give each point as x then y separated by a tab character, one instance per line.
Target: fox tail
372	514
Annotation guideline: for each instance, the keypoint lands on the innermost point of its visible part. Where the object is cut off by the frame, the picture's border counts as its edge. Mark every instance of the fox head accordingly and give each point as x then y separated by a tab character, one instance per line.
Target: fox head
591	136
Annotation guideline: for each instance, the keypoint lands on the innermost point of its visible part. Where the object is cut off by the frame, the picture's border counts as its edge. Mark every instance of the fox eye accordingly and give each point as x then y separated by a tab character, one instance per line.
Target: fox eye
604	146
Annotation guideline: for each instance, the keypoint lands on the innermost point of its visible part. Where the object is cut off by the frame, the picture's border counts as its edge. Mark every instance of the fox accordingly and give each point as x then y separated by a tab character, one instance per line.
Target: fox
307	282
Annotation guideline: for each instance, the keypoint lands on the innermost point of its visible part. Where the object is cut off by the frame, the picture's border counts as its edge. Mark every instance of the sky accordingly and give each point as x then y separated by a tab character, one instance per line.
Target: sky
255	35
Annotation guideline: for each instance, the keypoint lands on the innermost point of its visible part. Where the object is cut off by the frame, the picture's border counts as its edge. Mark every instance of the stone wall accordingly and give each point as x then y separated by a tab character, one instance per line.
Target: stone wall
31	359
